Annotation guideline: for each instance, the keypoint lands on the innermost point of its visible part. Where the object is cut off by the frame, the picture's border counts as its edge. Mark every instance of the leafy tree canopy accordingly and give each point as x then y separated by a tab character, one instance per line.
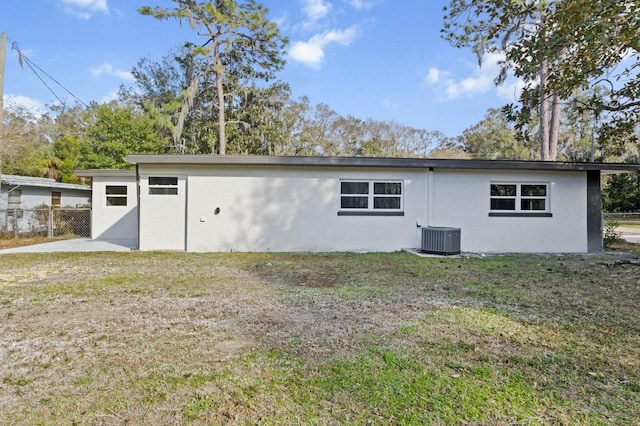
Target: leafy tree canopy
493	138
622	193
239	44
560	47
116	131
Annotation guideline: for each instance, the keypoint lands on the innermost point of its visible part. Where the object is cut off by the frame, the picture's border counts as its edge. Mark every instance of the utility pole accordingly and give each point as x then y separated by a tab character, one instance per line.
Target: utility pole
3	52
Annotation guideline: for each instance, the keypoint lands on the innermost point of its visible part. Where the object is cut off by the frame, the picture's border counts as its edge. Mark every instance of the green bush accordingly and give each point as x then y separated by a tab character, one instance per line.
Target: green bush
611	233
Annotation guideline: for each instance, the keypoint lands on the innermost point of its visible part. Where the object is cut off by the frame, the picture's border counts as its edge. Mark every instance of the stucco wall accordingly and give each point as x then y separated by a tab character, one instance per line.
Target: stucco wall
34	196
462	199
275	208
283	209
118	224
162	217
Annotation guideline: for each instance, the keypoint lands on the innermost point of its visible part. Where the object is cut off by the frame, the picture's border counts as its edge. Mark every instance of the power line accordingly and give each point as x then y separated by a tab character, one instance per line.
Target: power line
22	58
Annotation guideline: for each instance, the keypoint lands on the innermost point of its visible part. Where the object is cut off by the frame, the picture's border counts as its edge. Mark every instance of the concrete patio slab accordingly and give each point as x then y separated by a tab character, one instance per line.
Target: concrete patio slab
75	245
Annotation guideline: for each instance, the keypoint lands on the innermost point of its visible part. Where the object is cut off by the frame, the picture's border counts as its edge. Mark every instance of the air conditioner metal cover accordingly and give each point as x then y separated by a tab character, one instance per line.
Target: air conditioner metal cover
440	240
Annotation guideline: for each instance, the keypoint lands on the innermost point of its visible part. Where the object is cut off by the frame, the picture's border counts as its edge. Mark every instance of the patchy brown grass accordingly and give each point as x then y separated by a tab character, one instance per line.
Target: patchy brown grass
6	243
624	246
174	338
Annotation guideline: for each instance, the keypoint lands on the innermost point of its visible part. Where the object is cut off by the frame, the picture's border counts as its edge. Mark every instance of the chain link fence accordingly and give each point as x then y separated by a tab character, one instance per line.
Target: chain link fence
622	215
49	222
620	219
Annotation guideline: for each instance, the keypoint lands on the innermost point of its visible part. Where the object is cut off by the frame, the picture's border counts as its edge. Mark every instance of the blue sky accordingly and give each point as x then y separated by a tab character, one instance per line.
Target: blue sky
379	59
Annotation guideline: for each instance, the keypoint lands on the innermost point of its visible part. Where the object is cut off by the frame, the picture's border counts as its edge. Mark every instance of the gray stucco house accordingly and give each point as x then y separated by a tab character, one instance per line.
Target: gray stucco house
21	195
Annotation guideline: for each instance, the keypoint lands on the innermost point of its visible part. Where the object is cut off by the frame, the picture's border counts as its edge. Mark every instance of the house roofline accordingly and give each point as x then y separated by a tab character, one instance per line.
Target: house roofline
422	163
90	173
40	183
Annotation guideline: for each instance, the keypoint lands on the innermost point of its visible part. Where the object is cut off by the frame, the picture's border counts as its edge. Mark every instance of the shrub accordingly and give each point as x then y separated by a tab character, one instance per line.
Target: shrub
611	233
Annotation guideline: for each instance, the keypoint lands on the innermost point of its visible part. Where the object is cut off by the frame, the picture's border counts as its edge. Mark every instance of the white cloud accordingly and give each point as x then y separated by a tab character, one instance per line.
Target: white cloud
510	90
470	86
479	82
311	52
111	96
110	70
16	103
360	4
84	9
434	76
314	10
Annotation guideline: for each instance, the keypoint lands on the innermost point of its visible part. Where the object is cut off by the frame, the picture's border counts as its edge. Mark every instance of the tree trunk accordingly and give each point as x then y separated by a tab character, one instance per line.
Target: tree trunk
554	129
544	114
550	111
187	104
218	70
222	136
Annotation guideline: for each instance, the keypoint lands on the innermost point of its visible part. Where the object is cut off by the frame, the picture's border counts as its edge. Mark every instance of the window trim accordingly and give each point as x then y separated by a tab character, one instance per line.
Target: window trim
124	196
14	199
163	189
519	214
14	207
56	198
371	196
370	213
518	198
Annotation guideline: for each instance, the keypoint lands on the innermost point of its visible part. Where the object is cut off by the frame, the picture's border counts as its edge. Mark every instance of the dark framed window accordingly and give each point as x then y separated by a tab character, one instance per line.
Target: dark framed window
354	195
370	196
14	202
519	197
56	198
533	197
387	195
163	185
116	195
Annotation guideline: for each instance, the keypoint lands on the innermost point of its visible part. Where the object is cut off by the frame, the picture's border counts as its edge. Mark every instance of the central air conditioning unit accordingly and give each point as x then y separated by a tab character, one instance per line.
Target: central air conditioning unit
440	240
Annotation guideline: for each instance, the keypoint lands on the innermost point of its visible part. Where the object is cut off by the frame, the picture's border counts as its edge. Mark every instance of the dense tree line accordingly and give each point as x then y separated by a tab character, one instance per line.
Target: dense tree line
221	96
101	135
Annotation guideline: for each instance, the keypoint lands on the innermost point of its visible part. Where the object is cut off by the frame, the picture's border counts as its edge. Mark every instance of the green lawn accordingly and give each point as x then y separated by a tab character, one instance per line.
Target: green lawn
630	224
624	221
174	338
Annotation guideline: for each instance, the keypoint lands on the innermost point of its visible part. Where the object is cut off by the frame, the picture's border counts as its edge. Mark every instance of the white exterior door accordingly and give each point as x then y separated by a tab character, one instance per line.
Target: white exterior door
162	212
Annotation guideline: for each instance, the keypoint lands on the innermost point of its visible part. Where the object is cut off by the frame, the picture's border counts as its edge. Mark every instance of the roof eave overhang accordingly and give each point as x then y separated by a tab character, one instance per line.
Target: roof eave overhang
28	181
91	173
421	163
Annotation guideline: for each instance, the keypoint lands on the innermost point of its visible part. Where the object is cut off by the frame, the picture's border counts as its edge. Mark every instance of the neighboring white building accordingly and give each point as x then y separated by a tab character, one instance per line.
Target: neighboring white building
264	203
114	208
21	195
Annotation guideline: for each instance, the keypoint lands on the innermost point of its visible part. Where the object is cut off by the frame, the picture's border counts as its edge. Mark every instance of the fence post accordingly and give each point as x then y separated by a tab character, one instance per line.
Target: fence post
15	223
50	223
